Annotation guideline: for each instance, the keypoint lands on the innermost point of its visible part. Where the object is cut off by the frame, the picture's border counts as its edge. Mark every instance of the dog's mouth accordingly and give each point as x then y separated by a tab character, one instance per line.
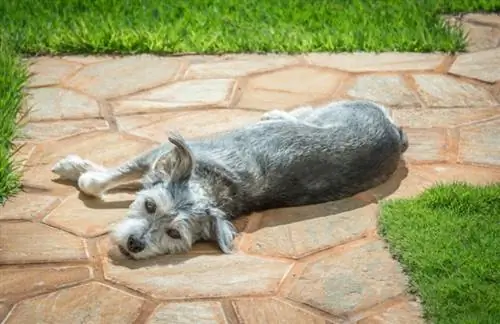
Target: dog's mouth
125	252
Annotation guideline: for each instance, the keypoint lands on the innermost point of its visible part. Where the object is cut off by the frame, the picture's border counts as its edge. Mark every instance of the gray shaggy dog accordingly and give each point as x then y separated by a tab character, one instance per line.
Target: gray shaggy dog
193	189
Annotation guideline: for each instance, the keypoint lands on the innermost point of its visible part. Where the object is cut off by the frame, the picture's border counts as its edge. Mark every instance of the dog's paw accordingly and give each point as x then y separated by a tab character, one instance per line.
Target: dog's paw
93	183
71	167
275	114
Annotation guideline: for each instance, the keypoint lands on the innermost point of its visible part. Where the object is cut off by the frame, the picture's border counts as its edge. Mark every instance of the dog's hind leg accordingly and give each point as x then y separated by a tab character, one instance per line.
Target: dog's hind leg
294	116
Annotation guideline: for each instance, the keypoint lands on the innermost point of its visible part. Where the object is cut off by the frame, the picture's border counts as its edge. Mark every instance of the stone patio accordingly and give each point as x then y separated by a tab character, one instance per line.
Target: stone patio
314	264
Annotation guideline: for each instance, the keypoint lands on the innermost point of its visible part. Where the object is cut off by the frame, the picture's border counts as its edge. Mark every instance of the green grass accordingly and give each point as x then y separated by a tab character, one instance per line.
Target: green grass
13	76
448	240
211	26
215	26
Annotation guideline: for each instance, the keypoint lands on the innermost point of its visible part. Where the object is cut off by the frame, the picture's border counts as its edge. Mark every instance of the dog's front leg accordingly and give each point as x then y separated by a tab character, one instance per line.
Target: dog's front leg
73	166
94	179
95	183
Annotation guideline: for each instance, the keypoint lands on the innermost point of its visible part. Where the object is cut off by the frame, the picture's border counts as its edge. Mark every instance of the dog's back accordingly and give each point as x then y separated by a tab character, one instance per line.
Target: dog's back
330	153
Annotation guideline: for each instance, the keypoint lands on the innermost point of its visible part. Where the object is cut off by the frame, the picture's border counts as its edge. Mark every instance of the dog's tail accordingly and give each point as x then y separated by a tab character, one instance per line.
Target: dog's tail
403	140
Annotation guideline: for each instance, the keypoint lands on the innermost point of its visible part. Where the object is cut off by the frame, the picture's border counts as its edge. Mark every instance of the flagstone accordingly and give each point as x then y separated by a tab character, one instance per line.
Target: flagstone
90	217
195	275
59	103
385	89
57	129
296	232
274	310
373	62
484	65
480	143
184	94
24	206
191	124
189	313
89	303
24	242
50	71
124	75
446	91
18	283
238	66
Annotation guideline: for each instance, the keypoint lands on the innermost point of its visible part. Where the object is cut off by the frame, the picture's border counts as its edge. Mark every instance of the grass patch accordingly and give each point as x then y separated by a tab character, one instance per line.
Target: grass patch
222	26
13	76
448	240
210	26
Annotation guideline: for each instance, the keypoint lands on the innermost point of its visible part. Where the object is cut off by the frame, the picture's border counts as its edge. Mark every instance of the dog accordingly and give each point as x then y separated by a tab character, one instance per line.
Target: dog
191	190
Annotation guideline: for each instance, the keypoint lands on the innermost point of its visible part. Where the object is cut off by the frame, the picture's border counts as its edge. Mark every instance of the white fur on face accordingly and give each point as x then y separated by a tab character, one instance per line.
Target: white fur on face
152	227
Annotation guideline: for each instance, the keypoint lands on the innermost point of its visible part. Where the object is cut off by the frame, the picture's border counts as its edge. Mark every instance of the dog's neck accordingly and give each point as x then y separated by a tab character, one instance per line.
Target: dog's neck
218	186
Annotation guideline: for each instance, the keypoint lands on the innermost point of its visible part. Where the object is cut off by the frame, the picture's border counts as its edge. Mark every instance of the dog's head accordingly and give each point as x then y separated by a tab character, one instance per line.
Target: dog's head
172	211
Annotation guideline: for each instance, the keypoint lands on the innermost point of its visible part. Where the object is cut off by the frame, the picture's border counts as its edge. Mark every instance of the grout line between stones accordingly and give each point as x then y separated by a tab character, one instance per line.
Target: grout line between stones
230	312
410	82
106	112
452	144
146	311
446	64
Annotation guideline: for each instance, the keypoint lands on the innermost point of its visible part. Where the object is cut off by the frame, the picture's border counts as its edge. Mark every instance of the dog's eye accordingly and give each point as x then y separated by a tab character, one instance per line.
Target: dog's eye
173	233
150	206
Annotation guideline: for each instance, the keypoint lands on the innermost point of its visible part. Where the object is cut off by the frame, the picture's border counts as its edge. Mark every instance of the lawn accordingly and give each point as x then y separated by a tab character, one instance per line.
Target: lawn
448	241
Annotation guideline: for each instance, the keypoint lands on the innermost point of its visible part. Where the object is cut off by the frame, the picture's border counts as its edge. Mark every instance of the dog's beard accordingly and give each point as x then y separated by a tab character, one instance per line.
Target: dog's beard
156	241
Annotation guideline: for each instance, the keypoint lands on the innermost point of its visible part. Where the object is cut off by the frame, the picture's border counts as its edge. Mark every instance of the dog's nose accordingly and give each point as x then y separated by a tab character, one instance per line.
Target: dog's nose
135	245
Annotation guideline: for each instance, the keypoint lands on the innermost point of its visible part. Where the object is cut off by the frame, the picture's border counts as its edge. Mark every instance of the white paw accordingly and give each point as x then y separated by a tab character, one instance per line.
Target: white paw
93	183
71	167
275	114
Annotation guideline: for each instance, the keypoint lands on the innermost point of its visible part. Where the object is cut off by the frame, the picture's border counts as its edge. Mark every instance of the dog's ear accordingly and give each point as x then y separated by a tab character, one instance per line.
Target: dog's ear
222	231
177	164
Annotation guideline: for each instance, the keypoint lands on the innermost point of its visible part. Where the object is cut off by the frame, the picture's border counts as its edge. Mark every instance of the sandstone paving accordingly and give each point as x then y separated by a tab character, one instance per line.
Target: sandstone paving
482	30
90	303
52	130
427	145
50	71
240	66
191	124
480	143
484	66
89	217
25	242
189	93
403	312
351	281
443	117
54	103
20	282
290	87
297	232
368	62
188	313
111	78
195	275
389	90
274	310
315	264
445	91
26	206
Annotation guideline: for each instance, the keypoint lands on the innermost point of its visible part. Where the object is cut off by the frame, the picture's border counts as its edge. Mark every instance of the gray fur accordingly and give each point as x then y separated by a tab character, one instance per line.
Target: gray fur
307	156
